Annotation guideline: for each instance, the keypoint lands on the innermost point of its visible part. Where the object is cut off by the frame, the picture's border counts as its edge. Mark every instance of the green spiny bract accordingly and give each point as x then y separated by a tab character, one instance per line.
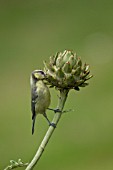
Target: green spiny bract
66	71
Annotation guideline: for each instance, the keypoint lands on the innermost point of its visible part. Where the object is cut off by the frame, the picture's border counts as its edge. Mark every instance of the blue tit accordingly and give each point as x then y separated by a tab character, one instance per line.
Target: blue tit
40	96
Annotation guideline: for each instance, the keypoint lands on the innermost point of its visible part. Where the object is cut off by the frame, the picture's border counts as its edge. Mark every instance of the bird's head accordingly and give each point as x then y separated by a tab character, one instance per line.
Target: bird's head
38	75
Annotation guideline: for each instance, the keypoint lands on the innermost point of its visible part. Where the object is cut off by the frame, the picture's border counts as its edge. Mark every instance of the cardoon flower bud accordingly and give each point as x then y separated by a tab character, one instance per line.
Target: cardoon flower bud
66	71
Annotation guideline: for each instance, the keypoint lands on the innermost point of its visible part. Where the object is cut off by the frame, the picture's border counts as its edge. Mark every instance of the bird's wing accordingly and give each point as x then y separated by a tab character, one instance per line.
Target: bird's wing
34	97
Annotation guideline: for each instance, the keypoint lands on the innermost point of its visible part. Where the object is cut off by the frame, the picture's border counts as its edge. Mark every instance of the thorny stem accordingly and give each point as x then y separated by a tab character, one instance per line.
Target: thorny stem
57	116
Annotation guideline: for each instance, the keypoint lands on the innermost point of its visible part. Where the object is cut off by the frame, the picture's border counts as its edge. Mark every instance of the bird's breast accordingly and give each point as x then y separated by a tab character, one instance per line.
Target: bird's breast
43	99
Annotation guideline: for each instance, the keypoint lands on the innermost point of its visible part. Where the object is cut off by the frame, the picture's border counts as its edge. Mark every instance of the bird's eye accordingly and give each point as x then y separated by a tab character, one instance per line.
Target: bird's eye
42	72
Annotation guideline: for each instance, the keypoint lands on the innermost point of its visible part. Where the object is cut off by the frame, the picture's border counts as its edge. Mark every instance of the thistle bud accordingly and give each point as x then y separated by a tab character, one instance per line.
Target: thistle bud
65	71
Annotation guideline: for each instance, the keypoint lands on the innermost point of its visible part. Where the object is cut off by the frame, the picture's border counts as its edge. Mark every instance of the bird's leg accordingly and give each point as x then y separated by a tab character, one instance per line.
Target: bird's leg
50	123
56	109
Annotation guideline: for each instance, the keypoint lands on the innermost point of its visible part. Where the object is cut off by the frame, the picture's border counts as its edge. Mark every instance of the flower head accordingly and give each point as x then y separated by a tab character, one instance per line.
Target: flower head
66	71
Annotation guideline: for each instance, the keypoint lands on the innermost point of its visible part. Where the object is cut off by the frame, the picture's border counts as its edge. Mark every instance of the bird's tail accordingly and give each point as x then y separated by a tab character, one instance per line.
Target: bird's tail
33	124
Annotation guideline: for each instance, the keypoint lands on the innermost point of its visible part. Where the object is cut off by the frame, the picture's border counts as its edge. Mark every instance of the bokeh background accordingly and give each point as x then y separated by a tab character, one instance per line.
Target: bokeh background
31	31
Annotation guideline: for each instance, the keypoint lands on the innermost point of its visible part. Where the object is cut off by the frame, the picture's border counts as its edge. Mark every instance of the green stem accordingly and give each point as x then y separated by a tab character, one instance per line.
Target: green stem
57	116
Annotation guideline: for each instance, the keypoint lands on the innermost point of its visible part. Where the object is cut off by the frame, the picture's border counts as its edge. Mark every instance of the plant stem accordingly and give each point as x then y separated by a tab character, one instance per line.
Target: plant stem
57	116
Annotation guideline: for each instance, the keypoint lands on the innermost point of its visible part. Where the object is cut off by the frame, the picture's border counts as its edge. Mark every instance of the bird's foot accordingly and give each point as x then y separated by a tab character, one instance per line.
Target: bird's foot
55	110
52	124
58	110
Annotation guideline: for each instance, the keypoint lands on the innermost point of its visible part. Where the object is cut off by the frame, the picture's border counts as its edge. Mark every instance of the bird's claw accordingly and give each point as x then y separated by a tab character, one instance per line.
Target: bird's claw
55	110
53	125
58	110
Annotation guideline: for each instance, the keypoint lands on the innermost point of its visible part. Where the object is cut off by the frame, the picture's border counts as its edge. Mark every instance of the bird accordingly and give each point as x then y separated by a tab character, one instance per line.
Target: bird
40	96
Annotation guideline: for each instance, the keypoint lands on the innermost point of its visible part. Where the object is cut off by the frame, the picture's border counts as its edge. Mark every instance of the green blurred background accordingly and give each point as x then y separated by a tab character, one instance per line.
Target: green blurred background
31	31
